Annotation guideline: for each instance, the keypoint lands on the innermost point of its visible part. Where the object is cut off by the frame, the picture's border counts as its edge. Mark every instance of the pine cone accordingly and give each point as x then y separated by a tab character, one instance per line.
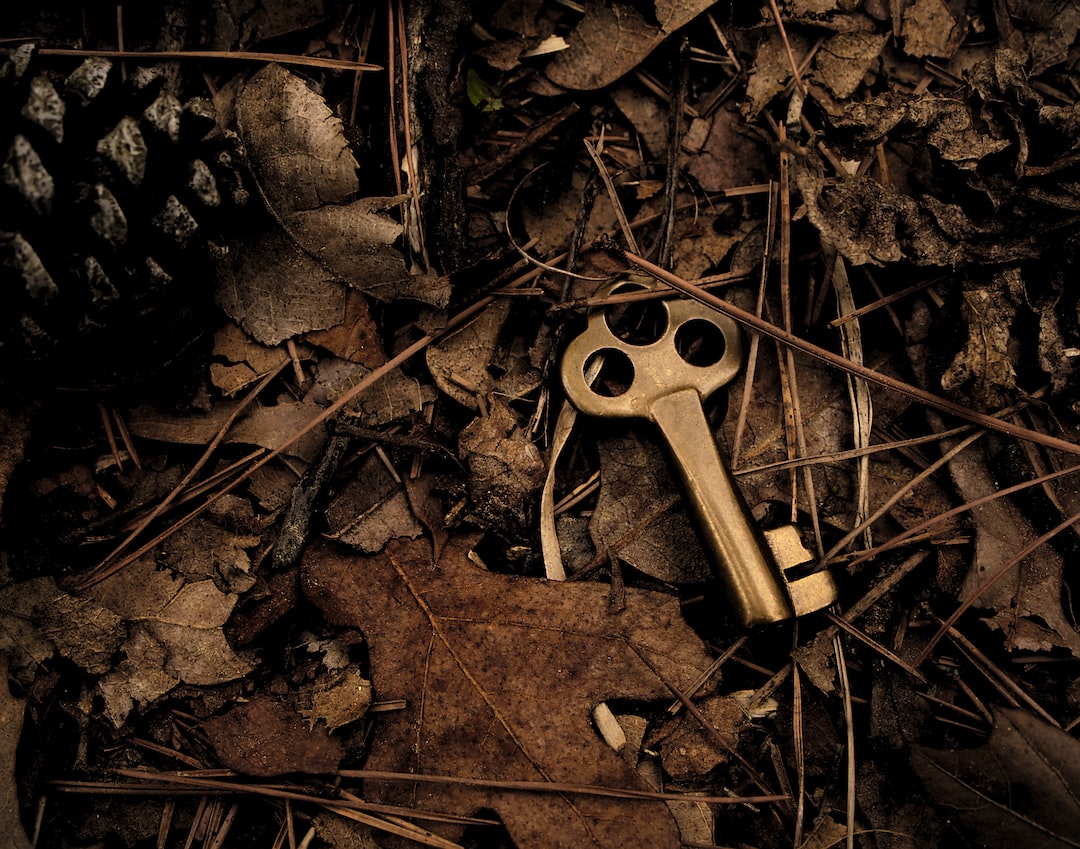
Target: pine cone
111	193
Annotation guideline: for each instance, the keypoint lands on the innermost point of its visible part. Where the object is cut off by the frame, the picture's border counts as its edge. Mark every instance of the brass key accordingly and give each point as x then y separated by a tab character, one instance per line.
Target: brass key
665	380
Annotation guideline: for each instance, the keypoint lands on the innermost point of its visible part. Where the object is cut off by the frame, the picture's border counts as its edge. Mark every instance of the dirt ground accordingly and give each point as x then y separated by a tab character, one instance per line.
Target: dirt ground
361	370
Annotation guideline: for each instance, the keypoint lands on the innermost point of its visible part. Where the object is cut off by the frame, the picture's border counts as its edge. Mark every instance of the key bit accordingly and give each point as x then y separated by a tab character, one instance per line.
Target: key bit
666	379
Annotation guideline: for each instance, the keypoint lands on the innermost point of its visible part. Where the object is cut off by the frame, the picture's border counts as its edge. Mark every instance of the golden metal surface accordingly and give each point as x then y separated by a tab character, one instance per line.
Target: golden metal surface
668	389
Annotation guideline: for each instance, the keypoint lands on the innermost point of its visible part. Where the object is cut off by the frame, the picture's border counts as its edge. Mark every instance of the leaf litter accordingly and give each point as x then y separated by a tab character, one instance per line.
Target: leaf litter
932	148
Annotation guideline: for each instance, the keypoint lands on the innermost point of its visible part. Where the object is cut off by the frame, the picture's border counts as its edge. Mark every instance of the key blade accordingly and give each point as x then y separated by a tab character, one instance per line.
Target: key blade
744	563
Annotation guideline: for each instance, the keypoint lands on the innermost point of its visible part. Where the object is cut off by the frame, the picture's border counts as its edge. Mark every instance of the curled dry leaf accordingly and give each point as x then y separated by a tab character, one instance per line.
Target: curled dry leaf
500	675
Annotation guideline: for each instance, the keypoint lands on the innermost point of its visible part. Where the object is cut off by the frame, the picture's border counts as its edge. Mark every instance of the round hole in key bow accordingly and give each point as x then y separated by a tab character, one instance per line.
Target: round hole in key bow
616	372
640	322
700	342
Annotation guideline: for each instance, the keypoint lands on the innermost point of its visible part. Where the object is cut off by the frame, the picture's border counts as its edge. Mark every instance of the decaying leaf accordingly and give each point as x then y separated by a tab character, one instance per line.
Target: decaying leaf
983	368
307	174
472	361
505	467
688	752
140	678
932	28
244	360
873	223
613	38
14	434
372	510
500	675
1019	789
647	115
730	157
1026	605
640	515
11	722
771	69
337	698
844	59
185	617
394	397
39	619
356	339
264	738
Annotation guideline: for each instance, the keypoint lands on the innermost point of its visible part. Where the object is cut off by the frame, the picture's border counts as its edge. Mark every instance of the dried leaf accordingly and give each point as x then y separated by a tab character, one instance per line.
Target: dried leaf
307	174
1051	31
472	362
140	678
263	738
649	118
687	751
296	144
931	28
639	515
270	426
730	157
338	698
11	722
275	291
356	339
39	619
1027	604
500	675
394	397
372	510
983	368
1019	789
873	223
771	69
505	467
245	359
844	59
613	39
14	435
185	617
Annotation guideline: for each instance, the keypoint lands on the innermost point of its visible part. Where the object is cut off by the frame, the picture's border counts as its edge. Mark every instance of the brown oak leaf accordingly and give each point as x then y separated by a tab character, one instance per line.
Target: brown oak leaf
500	675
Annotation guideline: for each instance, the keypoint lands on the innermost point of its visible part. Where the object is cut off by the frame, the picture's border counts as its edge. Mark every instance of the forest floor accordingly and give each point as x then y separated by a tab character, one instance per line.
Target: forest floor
333	514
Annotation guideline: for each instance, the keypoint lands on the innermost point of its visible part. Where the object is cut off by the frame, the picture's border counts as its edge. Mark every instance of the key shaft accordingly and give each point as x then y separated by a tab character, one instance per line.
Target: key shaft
744	562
